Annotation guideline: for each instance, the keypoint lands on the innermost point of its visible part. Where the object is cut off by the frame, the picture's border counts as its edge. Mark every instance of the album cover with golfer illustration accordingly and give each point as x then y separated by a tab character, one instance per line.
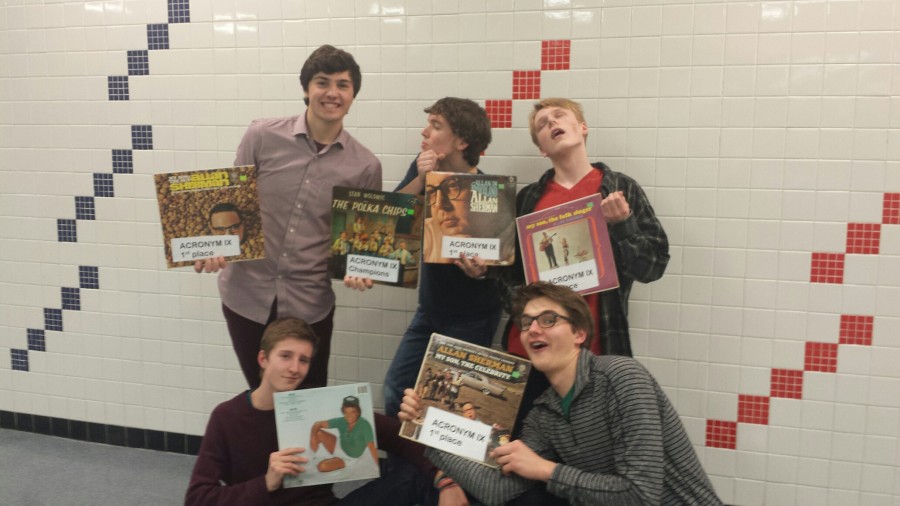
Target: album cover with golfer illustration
336	428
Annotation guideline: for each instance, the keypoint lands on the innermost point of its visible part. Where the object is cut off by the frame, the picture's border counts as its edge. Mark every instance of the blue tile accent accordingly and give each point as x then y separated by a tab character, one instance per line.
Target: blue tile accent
103	185
66	230
158	36
138	63
141	136
179	11
53	319
71	298
118	87
19	359
84	208
88	277
36	340
122	161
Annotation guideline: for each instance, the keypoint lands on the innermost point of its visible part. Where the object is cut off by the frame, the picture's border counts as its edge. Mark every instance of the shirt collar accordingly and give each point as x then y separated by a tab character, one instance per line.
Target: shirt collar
301	128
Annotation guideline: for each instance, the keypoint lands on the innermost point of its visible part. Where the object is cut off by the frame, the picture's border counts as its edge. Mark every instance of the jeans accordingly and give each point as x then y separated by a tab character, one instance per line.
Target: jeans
404	369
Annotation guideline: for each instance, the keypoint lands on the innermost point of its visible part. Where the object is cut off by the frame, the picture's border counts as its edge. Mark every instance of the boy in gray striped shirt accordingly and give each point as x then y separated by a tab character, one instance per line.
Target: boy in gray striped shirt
604	433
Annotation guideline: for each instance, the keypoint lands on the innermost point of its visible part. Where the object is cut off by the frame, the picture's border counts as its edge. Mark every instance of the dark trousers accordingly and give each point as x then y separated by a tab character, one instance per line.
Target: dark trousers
246	336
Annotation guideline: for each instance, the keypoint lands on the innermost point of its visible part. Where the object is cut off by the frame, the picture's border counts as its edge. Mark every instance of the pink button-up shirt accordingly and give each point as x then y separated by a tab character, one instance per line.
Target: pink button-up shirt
294	183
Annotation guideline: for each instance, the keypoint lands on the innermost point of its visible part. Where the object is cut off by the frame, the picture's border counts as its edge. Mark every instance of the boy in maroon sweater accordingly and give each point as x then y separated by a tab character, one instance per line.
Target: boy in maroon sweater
239	462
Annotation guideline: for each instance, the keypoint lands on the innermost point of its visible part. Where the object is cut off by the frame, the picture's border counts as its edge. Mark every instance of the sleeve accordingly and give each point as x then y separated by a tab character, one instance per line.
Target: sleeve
631	406
411	173
640	243
211	470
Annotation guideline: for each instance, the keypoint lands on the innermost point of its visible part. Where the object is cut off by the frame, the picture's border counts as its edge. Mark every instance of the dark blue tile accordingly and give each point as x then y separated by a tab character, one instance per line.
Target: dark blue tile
117	87
138	63
71	298
122	161
158	36
88	277
66	230
84	208
103	185
179	11
19	359
53	319
36	340
141	137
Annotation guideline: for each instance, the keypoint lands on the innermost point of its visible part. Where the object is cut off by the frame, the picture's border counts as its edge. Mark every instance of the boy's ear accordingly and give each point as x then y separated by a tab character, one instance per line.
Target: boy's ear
580	336
262	360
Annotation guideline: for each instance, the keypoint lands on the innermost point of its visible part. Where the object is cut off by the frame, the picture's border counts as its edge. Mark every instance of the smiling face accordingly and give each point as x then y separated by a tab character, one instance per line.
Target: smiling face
351	414
329	96
556	128
286	364
553	349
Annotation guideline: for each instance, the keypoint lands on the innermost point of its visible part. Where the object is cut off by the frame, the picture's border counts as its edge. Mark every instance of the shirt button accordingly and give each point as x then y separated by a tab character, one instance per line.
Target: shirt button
292	230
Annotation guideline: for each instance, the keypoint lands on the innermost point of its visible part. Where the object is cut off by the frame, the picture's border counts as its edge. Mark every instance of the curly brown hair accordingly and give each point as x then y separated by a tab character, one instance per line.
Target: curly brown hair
468	121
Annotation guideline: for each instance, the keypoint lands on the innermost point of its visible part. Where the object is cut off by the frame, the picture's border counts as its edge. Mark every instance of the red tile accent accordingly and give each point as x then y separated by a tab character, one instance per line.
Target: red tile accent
499	112
856	329
891	213
721	434
827	268
787	383
555	54
526	84
863	238
821	357
753	409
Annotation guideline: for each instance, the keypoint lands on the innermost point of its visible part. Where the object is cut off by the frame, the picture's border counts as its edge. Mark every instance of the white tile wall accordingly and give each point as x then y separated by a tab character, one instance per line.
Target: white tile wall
759	130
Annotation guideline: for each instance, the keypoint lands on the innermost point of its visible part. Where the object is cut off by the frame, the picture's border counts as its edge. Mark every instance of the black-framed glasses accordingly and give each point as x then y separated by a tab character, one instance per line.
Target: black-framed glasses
229	229
451	188
545	320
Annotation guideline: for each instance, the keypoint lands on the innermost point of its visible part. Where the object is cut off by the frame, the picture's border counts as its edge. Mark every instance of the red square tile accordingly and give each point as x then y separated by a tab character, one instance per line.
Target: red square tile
526	84
891	212
827	268
499	112
555	54
753	409
863	238
787	383
856	329
721	434
821	357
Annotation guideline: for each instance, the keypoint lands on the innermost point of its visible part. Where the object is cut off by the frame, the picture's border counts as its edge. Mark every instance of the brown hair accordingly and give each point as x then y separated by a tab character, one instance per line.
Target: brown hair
284	328
562	103
468	121
329	60
578	314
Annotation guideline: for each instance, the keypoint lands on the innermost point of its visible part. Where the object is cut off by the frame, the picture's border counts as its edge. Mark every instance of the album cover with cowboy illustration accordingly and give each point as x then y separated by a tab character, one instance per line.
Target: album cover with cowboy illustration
469	214
568	245
471	395
336	426
210	213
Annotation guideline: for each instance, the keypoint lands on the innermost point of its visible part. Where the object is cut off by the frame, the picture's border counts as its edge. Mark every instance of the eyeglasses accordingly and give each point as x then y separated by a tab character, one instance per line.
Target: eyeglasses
230	229
545	320
451	188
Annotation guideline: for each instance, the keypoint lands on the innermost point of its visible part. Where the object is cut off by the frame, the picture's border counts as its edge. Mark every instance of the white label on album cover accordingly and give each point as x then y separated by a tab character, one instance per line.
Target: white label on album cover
205	246
487	249
455	434
575	276
377	268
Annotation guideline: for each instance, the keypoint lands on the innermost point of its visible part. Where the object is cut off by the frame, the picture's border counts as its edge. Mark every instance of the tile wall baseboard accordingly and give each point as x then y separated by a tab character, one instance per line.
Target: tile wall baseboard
115	435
